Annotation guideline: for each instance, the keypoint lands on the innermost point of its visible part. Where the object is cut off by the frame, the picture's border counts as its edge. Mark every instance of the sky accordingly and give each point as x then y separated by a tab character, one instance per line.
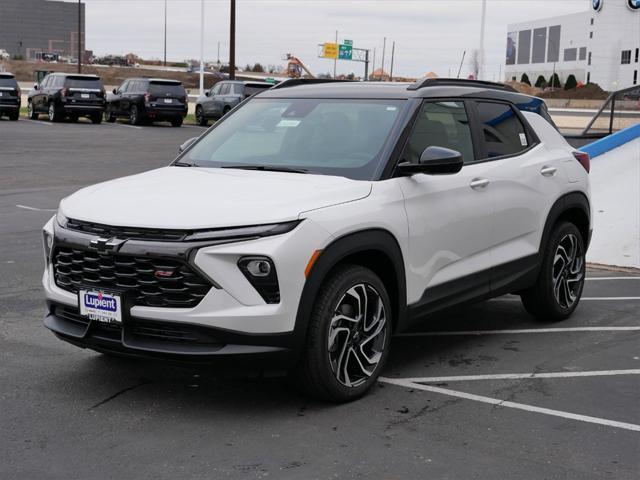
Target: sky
429	35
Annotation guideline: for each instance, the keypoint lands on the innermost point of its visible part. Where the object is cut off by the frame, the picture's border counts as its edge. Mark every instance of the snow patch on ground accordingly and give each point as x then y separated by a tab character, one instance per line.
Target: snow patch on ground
615	192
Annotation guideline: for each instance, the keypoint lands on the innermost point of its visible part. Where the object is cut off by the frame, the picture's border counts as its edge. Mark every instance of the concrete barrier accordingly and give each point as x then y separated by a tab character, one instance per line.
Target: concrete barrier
612	141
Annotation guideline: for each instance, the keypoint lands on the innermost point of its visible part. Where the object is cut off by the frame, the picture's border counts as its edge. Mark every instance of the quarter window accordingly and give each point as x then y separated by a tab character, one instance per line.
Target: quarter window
440	124
502	130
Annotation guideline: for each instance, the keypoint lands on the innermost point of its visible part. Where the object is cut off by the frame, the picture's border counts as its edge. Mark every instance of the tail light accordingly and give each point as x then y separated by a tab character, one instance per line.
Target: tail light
584	159
147	97
184	99
103	92
18	91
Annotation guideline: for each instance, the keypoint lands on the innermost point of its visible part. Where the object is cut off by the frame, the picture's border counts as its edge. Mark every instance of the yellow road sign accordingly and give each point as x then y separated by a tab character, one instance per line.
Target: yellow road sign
330	50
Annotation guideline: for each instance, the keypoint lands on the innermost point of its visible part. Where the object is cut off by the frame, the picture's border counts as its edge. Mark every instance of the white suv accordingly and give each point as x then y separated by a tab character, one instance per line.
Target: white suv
313	222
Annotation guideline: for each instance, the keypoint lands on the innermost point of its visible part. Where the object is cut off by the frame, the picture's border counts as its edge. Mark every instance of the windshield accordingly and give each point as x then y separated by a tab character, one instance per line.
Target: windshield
166	88
83	82
327	136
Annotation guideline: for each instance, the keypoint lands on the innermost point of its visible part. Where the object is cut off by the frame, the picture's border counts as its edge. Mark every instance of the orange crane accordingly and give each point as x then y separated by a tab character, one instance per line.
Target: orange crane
297	69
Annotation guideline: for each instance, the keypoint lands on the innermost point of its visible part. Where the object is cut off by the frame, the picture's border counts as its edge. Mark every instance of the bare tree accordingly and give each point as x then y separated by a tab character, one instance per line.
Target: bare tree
474	63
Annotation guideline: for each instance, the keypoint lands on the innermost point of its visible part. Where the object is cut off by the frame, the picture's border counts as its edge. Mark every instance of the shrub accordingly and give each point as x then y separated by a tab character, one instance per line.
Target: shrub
571	82
525	79
555	81
541	82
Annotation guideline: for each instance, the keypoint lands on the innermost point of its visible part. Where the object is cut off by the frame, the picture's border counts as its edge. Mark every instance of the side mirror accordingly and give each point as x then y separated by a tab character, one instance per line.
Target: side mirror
207	93
115	91
186	144
36	87
433	161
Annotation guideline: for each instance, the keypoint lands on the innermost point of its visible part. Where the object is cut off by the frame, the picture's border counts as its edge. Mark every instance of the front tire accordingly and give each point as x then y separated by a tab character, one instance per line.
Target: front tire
31	112
558	289
348	336
200	118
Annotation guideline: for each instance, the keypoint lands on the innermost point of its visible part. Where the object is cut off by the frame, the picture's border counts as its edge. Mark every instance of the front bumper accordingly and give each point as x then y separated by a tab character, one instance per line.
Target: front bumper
170	341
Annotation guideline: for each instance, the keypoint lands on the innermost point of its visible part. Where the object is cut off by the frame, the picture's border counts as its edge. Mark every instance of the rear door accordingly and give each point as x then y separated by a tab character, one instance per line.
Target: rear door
449	215
526	179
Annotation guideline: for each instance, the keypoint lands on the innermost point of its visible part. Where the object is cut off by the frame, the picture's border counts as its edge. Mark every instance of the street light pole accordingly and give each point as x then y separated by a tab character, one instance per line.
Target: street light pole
165	34
201	47
335	60
79	36
232	41
482	25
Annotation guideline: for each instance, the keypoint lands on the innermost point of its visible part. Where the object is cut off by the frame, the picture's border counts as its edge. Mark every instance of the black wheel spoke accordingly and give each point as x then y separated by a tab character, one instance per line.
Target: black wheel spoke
567	274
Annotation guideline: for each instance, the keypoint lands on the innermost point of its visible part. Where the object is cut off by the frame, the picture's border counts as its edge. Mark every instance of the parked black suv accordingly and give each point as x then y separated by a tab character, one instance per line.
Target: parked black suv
61	95
223	96
146	100
9	96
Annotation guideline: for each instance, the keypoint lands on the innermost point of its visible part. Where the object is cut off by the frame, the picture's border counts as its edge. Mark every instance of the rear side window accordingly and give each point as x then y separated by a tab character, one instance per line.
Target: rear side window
502	130
166	88
7	81
83	82
440	124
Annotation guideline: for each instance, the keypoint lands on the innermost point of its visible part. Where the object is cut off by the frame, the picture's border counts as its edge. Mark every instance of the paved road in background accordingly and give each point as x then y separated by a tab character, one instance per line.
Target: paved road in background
71	413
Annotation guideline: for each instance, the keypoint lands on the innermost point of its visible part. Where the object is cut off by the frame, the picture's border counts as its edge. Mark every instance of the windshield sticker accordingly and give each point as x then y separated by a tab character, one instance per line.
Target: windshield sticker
288	123
391	109
523	139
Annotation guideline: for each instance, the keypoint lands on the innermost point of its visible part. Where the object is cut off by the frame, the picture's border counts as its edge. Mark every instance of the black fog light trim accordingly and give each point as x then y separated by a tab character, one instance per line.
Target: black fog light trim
262	275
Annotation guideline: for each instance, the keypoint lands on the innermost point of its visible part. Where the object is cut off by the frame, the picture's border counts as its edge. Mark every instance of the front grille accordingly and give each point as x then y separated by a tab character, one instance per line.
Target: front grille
178	286
154	234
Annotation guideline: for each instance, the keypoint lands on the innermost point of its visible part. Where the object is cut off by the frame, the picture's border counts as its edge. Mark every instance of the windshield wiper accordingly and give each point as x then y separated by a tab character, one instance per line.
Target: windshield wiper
183	164
267	168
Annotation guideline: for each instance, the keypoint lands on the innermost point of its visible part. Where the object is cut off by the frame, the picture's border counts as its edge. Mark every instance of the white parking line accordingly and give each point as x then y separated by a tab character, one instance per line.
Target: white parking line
511	298
519	406
40	122
26	207
517	376
123	125
518	331
613	278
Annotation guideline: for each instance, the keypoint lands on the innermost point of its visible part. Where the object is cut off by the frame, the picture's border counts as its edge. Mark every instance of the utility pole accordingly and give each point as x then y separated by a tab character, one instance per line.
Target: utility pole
366	65
232	42
335	60
384	47
482	22
165	34
201	47
393	49
79	36
218	53
461	62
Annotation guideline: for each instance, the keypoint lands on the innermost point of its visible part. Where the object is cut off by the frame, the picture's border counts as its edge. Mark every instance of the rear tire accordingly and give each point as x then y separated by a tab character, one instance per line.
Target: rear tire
134	115
558	289
226	110
348	336
31	112
200	118
14	116
176	122
96	118
109	116
53	113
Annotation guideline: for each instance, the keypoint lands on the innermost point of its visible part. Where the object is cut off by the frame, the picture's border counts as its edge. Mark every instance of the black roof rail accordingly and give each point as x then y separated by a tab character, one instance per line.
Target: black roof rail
294	82
459	82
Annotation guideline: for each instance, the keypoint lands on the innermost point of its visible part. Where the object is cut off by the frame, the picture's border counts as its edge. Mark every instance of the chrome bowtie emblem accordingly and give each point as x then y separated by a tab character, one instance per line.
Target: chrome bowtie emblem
106	245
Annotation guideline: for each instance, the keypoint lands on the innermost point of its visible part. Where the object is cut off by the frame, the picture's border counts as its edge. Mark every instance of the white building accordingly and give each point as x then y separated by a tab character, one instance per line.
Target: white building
600	45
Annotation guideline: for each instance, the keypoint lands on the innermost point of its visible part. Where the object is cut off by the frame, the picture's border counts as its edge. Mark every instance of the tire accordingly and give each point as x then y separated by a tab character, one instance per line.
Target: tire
176	122
200	118
96	118
73	118
225	111
53	113
14	116
134	115
109	116
335	371
558	289
31	112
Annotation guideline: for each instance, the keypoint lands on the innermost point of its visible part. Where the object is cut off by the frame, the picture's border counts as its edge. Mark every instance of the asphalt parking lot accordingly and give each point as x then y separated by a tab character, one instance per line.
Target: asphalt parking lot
480	392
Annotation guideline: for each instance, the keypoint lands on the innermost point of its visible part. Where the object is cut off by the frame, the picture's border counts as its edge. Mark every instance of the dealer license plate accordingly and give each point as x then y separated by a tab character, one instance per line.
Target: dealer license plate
85	95
168	100
100	306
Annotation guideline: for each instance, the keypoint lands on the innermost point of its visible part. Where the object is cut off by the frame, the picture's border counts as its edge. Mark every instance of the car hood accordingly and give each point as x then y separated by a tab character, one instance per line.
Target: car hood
191	198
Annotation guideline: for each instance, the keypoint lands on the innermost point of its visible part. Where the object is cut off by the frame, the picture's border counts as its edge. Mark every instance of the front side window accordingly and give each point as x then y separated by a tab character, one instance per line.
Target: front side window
324	136
216	89
440	124
502	130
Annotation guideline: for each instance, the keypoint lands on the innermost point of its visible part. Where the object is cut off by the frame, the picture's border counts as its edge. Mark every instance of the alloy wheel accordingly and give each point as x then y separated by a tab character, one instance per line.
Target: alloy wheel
357	335
567	274
30	110
52	112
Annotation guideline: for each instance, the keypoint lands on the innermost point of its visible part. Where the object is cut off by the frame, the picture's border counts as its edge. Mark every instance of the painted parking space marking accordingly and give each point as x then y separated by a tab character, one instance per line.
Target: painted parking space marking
592	299
518	331
612	278
36	209
122	125
519	376
508	404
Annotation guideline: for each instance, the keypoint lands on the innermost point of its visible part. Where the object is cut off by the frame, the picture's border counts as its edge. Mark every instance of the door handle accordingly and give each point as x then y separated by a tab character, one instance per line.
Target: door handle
477	183
548	171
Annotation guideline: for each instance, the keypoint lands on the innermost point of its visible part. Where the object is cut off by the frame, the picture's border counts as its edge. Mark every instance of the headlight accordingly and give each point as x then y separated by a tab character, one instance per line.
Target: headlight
254	231
61	219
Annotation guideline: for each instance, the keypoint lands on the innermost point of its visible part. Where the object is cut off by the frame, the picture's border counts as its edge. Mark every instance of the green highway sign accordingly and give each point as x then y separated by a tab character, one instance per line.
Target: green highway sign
345	52
348	42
